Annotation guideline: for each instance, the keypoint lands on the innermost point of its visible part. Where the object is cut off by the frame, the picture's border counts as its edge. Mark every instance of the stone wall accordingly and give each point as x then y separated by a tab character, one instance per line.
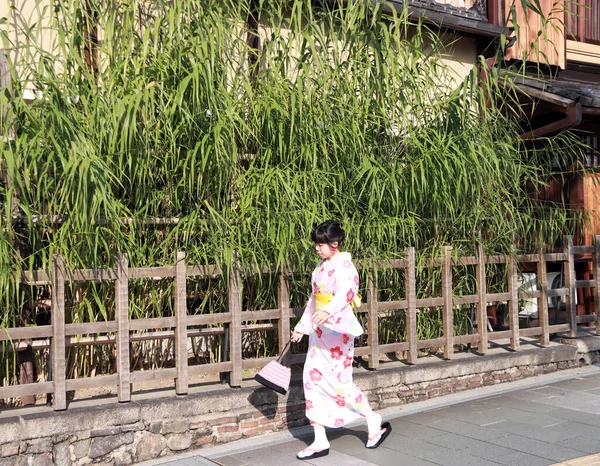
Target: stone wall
121	434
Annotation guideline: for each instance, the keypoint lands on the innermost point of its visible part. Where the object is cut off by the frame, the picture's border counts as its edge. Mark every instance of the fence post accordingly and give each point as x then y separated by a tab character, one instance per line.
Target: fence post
513	303
181	341
59	400
283	299
482	318
448	318
411	301
542	279
122	315
234	300
570	284
373	319
596	265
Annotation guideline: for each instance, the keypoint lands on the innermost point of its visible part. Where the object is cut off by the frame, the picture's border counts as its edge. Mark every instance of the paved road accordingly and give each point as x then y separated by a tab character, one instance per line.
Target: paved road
547	420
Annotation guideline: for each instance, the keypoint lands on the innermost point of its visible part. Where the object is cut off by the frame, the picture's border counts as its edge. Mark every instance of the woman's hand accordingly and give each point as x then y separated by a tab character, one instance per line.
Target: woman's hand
296	337
320	317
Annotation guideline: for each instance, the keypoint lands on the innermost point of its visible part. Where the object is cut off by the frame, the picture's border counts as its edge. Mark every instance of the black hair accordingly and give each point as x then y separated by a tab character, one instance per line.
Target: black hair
328	232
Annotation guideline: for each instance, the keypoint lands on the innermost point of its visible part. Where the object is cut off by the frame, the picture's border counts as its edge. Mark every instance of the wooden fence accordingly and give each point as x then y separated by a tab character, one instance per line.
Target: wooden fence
119	331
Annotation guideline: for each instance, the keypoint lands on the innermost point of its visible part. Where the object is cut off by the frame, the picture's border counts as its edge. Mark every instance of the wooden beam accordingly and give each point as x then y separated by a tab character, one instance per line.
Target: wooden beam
562	102
594	111
573	118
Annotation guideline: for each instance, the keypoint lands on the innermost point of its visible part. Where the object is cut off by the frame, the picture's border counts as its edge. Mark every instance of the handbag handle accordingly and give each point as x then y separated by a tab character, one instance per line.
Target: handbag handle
284	352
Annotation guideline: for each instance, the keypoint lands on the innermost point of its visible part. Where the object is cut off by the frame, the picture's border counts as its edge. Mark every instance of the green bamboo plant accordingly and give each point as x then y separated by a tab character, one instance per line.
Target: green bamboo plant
245	123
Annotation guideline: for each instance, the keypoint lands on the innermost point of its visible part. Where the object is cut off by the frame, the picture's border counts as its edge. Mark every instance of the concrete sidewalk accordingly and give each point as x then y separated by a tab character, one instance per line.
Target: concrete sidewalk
546	420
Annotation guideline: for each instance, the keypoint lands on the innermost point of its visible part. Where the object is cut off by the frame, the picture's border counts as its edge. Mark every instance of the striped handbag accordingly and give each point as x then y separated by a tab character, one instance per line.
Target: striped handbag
276	375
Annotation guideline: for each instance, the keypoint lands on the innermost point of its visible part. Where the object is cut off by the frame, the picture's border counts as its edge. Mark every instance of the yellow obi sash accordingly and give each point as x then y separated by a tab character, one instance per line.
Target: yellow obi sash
323	298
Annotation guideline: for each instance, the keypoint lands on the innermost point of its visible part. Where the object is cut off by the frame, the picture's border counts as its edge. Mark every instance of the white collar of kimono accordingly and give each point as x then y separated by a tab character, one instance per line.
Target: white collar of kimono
340	256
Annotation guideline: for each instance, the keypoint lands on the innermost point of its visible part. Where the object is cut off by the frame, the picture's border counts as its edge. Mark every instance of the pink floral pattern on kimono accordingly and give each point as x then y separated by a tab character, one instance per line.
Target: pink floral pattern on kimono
332	398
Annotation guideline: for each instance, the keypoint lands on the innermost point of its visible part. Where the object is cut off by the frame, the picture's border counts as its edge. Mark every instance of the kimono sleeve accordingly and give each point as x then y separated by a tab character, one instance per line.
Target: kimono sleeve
304	326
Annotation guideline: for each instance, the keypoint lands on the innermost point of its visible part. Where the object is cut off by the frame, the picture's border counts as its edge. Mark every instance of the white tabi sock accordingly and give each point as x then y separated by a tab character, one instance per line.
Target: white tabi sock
320	443
374	425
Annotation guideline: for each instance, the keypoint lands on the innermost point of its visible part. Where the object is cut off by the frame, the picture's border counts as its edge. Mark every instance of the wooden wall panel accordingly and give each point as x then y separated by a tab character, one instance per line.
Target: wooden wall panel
546	48
591	201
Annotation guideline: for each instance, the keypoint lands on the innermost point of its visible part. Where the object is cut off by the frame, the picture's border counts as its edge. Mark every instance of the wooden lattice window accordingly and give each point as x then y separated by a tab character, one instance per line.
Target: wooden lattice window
583	20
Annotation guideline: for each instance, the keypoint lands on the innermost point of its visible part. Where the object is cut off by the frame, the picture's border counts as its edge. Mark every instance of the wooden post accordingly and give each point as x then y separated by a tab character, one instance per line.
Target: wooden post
181	341
542	279
373	319
448	318
482	318
596	295
411	311
513	304
234	298
569	269
122	316
59	375
283	299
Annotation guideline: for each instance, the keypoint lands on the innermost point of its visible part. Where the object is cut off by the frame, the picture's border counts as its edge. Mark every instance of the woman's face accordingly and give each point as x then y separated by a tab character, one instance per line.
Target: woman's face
326	250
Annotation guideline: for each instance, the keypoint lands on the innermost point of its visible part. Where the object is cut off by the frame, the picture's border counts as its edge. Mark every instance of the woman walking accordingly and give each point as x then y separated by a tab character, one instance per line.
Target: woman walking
332	399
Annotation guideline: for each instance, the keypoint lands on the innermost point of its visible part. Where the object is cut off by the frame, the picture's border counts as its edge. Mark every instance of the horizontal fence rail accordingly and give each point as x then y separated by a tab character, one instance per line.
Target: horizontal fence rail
235	321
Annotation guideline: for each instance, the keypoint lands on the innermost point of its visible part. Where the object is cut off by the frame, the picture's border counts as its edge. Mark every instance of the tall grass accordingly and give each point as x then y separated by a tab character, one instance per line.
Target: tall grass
341	111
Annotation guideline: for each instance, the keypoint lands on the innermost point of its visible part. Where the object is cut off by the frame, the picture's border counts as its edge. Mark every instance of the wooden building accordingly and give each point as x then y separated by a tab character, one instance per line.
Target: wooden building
565	45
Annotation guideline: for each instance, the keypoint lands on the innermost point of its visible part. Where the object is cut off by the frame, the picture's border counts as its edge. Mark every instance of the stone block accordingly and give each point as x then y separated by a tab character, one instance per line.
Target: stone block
45	459
178	442
104	432
156	427
138	426
204	432
21	460
150	446
39	446
62	454
199	424
9	449
228	437
100	446
37	425
175	427
81	448
123	459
